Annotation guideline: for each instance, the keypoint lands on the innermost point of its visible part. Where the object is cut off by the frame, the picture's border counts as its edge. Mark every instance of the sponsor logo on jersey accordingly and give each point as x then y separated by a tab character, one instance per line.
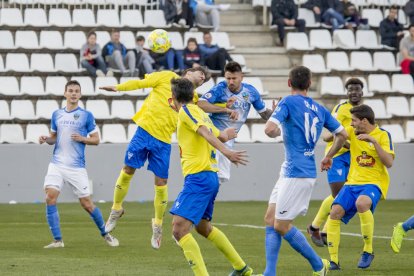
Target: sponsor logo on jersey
365	160
76	116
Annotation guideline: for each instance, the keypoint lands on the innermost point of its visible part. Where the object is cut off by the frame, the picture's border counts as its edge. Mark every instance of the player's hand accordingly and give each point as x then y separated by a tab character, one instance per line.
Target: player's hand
274	103
43	139
108	88
237	157
233	114
77	137
326	164
366	138
231	101
231	133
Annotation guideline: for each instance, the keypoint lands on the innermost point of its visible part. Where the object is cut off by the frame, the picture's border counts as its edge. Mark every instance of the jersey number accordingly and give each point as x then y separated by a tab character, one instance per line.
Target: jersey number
310	130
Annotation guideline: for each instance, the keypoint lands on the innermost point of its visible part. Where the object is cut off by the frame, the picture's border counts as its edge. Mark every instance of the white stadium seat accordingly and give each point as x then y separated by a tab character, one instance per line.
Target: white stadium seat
6	39
344	39
32	86
66	63
17	62
138	105
102	38
26	40
106	81
197	35
122	109
34	131
315	63
398	106
45	108
397	133
379	83
257	83
87	86
42	63
128	39
374	16
60	18
412	104
309	18
74	39
222	40
385	61
258	134
113	133
22	109
84	18
55	85
367	39
11	133
379	107
176	40
107	18
11	17
9	86
35	17
132	128
99	109
243	136
132	18
338	61
332	86
409	130
4	110
321	39
155	18
402	83
51	40
361	61
1	64
205	87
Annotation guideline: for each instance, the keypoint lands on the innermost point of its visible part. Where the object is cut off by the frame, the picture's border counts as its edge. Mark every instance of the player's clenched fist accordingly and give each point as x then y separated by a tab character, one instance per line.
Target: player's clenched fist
43	139
231	133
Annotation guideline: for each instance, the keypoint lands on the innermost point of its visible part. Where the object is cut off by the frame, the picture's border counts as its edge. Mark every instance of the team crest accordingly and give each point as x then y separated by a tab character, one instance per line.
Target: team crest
365	160
245	96
76	116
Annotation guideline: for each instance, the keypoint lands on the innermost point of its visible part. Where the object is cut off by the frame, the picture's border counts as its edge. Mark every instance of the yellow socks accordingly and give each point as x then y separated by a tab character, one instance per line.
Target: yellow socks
223	244
367	229
334	237
160	203
193	255
121	189
323	212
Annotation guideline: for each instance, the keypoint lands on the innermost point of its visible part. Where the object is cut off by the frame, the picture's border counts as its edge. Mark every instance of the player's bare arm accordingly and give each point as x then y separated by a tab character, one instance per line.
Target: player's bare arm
386	158
92	140
108	88
268	112
211	108
272	129
236	157
50	140
227	134
339	140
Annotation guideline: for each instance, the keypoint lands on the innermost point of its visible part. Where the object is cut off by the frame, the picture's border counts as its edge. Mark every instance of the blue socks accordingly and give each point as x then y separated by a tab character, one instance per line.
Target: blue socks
408	224
298	241
52	216
96	215
273	242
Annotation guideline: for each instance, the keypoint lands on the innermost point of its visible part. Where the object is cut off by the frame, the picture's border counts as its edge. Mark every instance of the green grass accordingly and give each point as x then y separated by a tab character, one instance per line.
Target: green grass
24	232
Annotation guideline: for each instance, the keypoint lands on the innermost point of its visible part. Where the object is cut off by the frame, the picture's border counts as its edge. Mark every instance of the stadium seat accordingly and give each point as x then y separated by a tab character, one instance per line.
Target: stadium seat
367	93
258	134
338	61
222	40
1	64
138	105
41	63
9	86
176	40
398	106
84	18
45	108
66	63
102	38
253	114
99	109
197	35
379	83
205	87
86	83
321	39
11	17
260	3
379	107
132	18
309	18
374	16
128	39
17	63
35	17
412	104
55	85
367	39
132	128
397	133
60	18
4	110
361	61
22	109
6	39
332	86
155	18
385	61
122	109
409	130
344	39
34	131
108	18
315	63
402	83
113	133
11	133
106	81
26	40
32	86
243	136
257	83
51	40
74	39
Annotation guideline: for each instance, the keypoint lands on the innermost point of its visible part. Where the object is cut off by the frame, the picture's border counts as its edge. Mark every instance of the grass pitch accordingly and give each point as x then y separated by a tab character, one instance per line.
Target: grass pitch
24	232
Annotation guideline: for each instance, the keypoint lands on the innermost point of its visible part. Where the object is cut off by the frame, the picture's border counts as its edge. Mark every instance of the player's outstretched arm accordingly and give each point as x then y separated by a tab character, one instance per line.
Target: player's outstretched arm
227	134
50	140
338	143
108	88
92	140
268	112
212	108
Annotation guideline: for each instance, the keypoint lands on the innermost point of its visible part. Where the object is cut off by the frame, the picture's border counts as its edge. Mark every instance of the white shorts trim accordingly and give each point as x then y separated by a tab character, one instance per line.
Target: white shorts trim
291	196
76	178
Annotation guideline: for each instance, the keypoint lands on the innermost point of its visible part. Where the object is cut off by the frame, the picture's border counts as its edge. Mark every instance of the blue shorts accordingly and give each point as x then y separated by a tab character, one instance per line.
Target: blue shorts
340	168
196	200
348	195
144	146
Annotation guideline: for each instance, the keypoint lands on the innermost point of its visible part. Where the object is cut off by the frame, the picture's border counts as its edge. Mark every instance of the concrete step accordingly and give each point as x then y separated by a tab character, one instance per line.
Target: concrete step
267	61
251	39
238	17
275	84
243	28
261	50
228	2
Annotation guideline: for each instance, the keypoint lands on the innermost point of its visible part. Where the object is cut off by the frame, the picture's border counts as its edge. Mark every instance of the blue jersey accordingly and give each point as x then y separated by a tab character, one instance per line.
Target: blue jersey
68	152
301	120
247	96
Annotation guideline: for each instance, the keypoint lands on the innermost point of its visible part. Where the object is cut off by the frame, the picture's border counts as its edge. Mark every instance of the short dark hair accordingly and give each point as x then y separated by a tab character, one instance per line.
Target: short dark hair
300	77
356	81
364	111
204	70
394	7
91	33
192	39
232	67
206	33
72	82
183	90
140	38
113	31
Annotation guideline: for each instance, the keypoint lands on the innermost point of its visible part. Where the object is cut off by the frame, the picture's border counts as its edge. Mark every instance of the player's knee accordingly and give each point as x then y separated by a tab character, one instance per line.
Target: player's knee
363	204
87	205
160	181
178	230
50	200
129	170
281	228
336	212
205	230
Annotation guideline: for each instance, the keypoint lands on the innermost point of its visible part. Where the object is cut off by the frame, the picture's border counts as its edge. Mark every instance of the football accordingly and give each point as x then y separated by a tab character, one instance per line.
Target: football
159	41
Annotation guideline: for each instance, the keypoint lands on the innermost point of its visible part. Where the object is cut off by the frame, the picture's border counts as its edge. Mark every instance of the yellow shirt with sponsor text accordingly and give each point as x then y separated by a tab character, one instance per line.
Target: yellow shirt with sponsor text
366	166
196	153
342	113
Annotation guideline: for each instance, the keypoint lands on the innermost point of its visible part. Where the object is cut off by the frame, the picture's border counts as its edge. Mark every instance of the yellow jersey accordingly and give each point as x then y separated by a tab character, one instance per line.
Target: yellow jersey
342	113
366	166
197	155
156	115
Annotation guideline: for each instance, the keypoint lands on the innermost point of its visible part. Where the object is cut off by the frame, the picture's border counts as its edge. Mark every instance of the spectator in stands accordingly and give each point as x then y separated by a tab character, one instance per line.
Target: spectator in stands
353	18
215	57
315	6
390	29
117	56
407	52
207	13
144	60
192	54
285	13
178	12
332	13
171	60
91	57
409	10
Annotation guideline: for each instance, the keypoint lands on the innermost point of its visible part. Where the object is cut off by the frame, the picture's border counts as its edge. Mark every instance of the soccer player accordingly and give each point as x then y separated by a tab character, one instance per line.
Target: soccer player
197	139
71	129
340	163
372	152
157	121
400	231
302	120
239	97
